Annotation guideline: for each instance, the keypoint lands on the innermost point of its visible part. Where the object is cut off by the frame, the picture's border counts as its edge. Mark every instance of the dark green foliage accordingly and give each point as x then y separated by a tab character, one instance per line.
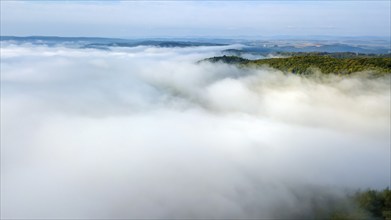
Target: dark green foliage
368	204
327	64
378	203
308	63
228	59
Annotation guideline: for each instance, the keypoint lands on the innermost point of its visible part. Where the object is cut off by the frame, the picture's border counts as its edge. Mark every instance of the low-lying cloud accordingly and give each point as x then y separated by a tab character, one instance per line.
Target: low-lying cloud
148	132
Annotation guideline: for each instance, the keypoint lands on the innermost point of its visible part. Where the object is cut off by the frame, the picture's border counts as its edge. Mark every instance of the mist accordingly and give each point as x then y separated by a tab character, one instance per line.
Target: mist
149	132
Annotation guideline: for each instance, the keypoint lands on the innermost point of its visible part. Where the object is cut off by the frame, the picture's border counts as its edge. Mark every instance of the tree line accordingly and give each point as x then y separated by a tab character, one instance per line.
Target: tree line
307	64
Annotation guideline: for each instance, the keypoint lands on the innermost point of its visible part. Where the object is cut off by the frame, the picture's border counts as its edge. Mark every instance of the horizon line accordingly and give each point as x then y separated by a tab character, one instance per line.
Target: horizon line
203	36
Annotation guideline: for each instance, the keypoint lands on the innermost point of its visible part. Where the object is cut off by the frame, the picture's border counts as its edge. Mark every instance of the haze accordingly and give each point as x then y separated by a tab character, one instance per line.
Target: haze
127	119
234	19
148	132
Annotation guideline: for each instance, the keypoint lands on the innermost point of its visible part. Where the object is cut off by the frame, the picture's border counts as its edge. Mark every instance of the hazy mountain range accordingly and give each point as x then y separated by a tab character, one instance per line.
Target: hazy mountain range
367	45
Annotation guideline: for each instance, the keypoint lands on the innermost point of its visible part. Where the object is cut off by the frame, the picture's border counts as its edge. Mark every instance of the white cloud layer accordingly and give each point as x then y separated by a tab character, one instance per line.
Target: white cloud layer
147	132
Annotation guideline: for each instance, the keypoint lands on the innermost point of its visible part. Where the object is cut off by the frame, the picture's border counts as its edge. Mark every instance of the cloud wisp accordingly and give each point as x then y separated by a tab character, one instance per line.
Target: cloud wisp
148	132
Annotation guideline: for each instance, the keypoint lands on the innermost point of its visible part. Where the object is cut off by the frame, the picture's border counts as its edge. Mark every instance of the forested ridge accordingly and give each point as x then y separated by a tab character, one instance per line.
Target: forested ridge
367	204
306	64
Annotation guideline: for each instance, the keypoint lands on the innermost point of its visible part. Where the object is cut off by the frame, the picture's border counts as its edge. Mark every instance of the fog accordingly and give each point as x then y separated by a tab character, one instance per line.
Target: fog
149	132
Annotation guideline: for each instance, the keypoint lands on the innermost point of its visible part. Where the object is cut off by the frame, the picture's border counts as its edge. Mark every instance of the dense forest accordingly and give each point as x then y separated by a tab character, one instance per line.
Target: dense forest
308	63
368	204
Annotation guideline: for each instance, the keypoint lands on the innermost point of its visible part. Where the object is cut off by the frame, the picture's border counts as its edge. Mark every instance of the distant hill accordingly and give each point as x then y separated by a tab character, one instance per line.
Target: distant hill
239	47
308	63
237	52
104	43
323	48
151	43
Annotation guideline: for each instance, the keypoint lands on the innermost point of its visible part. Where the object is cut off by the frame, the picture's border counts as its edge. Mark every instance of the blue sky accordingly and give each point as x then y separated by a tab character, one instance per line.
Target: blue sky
195	19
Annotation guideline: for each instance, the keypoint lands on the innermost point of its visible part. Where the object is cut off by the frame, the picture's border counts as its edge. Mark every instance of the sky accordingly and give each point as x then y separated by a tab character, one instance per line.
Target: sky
195	19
